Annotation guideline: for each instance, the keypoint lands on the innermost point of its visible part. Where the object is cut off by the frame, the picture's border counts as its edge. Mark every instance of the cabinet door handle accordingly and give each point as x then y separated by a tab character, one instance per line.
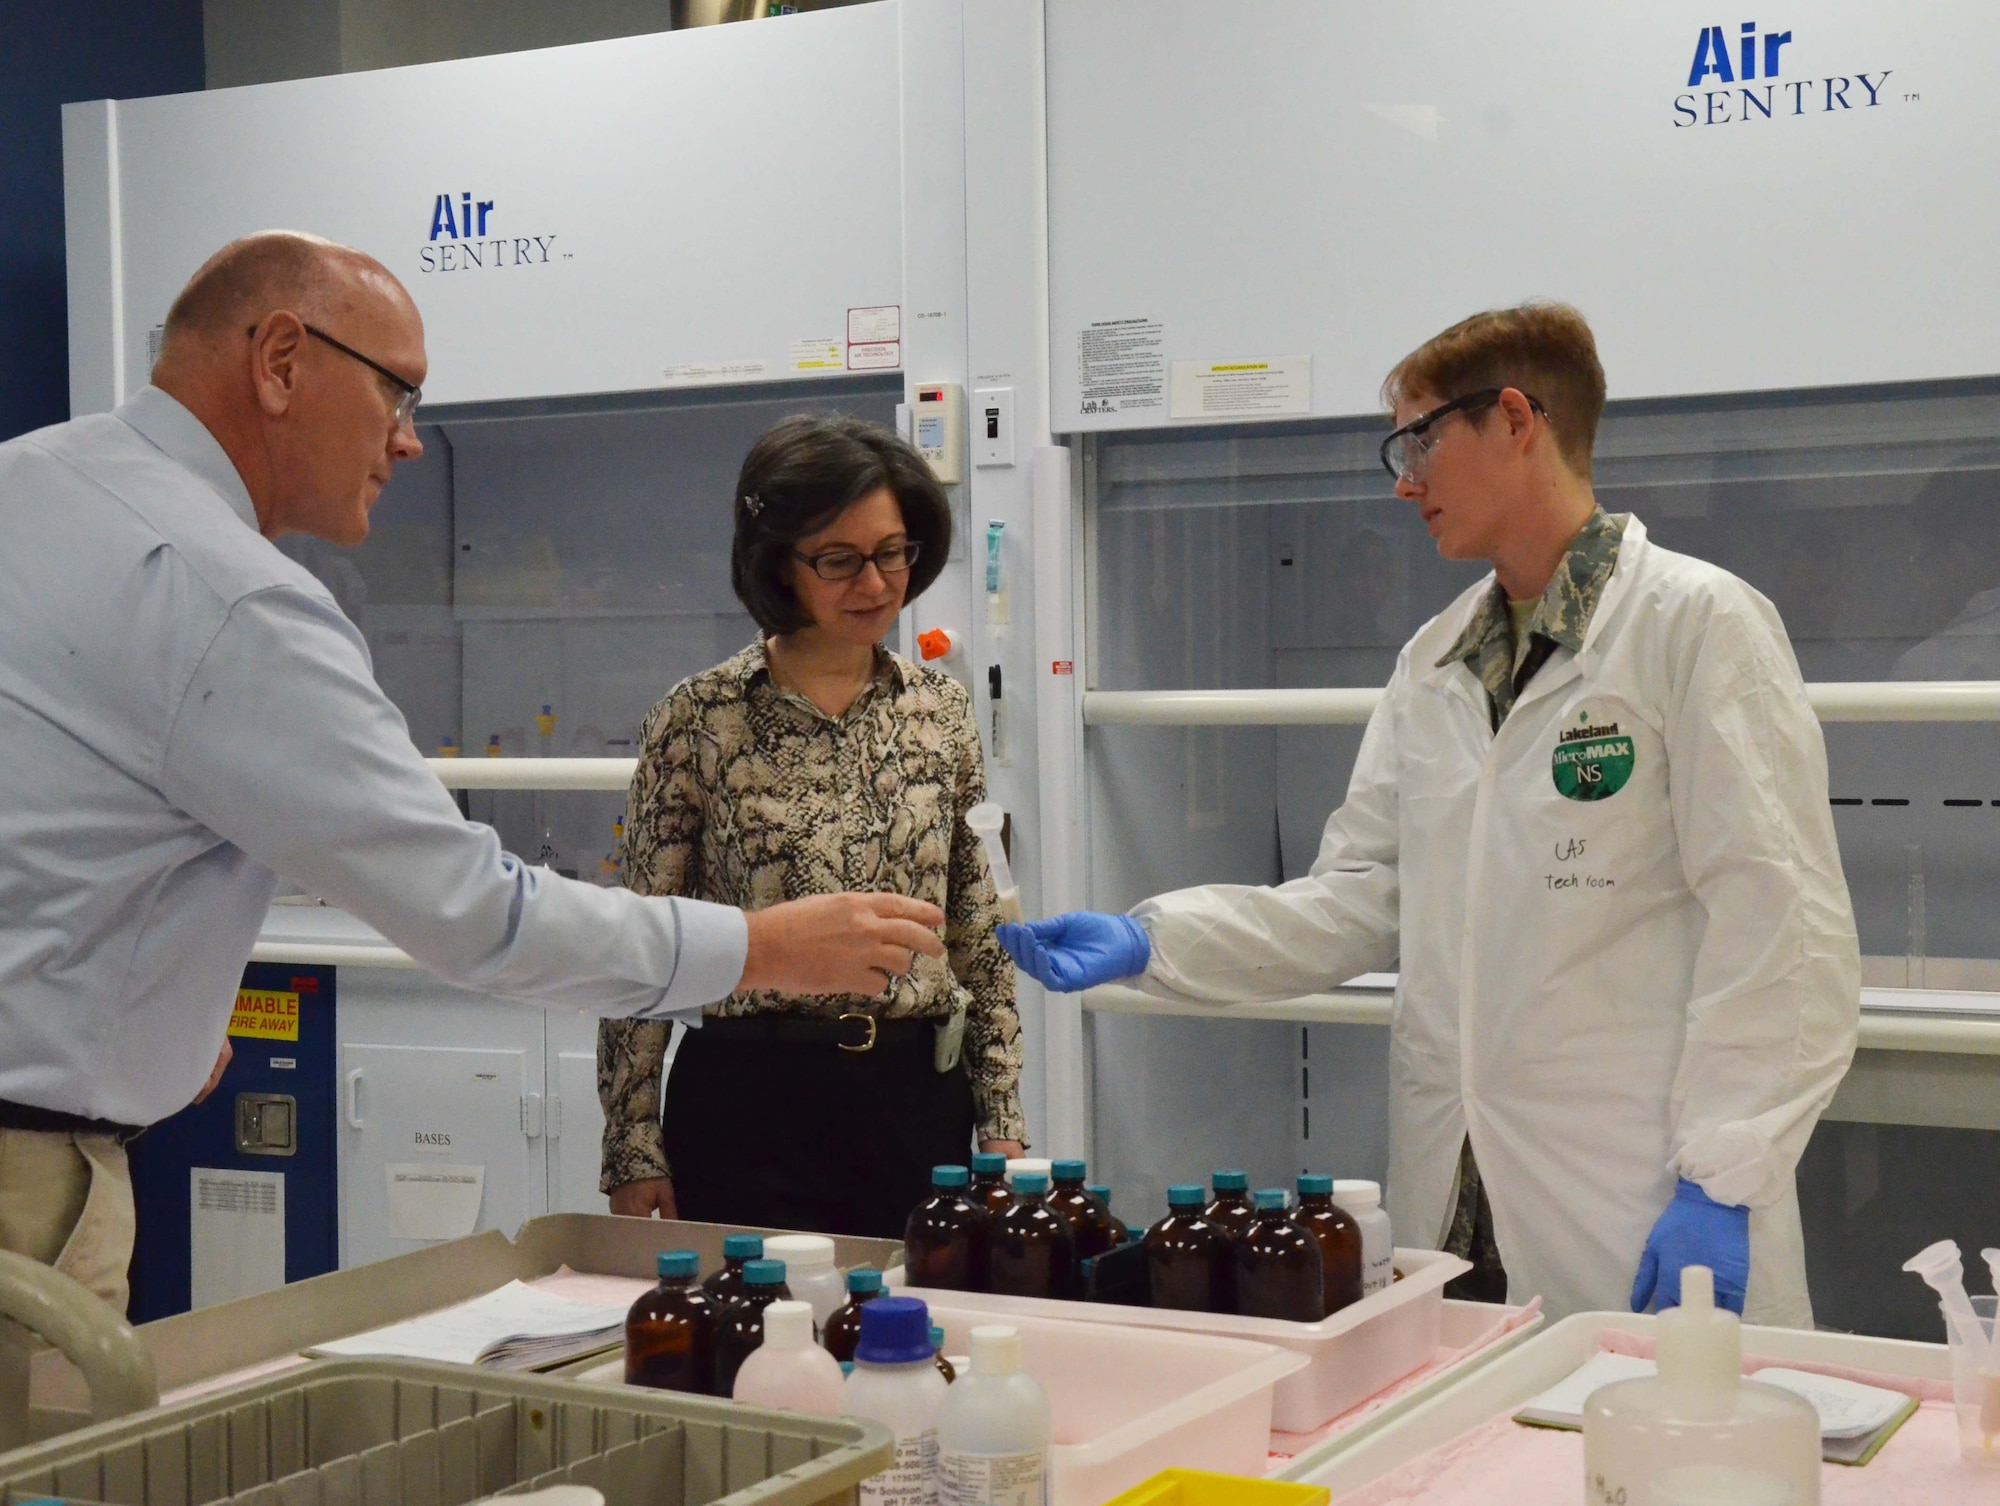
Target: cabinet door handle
353	1099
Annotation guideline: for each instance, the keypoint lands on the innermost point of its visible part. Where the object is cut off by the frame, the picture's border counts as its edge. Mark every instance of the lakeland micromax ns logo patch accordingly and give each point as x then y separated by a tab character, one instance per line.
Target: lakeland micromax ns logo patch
462	239
1748	83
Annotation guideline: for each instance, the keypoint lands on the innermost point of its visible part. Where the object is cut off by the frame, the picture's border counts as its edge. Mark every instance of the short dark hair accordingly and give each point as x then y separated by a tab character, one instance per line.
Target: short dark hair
1543	349
800	475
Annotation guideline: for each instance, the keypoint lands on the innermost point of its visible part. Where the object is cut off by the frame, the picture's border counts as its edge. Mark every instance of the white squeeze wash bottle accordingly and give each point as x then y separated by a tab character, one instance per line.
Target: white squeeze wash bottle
994	1429
788	1369
897	1383
1699	1415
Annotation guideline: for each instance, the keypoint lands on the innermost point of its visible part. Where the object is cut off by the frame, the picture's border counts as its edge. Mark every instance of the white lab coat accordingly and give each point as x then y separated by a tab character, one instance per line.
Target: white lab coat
1603	994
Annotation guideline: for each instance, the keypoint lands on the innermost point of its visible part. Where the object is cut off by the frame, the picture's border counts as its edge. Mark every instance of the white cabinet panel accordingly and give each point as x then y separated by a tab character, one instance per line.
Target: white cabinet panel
575	1123
437	1106
435	1060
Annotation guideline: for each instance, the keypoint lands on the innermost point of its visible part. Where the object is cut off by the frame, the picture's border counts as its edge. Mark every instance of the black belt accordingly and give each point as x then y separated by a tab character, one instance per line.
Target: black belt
26	1116
849	1032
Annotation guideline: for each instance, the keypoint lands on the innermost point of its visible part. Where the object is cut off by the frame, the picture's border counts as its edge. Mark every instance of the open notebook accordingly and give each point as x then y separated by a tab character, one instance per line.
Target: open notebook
514	1328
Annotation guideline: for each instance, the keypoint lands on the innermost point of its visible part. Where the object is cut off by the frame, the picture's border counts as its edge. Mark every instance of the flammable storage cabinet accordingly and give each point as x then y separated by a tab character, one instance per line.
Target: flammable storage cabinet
1818	414
632	257
237	1194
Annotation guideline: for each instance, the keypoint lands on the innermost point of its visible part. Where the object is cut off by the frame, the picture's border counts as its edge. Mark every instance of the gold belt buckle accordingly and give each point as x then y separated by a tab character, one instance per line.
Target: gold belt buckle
867	1045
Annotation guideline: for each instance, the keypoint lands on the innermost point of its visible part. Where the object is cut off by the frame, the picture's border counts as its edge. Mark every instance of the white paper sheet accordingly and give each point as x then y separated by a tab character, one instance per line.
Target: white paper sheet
236	1234
540	1326
431	1201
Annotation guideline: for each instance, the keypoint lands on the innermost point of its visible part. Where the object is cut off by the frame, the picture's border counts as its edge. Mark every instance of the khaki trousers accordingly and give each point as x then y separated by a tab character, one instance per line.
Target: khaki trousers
66	1200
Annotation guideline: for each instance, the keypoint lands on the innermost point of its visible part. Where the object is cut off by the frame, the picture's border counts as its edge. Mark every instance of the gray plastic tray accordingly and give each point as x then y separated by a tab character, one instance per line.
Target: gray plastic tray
400	1433
198	1346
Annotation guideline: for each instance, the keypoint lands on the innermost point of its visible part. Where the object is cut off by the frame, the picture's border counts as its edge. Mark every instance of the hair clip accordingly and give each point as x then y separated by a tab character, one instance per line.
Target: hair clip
752	503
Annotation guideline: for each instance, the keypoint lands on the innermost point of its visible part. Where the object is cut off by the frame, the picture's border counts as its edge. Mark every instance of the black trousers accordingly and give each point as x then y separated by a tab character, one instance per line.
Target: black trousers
803	1135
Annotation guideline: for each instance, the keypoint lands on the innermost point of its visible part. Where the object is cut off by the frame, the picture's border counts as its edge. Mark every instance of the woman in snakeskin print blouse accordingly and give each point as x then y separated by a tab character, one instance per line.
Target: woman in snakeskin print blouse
816	761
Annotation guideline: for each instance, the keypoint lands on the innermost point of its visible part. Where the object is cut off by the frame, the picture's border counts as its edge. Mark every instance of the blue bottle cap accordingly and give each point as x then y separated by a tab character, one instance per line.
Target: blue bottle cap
1315	1186
864	1279
989	1164
946	1177
742	1247
1269	1199
1099	1190
1186	1195
677	1263
895	1331
1066	1171
764	1273
1231	1181
1031	1183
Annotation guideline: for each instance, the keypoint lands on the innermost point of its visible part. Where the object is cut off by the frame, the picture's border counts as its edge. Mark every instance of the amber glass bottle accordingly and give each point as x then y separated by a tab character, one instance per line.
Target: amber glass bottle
741	1328
1230	1209
670	1331
1187	1257
726	1283
1339	1238
1089	1219
1278	1272
989	1183
945	1241
843	1329
1033	1252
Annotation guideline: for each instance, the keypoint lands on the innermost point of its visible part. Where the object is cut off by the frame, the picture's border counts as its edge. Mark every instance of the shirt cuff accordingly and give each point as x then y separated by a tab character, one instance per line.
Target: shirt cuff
1000	1116
714	943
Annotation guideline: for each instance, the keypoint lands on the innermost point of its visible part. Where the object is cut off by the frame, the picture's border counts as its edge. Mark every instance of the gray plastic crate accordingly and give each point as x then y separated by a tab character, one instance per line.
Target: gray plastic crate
400	1433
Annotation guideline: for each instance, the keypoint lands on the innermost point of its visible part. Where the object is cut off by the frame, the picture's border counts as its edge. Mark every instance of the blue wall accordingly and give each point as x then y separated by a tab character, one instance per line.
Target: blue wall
51	54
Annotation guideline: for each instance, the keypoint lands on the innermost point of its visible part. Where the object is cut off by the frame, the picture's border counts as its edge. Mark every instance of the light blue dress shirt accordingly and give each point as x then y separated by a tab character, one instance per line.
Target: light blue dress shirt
185	714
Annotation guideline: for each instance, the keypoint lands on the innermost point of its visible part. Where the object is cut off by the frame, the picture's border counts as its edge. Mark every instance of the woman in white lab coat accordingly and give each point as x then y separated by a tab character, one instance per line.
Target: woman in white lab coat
1589	826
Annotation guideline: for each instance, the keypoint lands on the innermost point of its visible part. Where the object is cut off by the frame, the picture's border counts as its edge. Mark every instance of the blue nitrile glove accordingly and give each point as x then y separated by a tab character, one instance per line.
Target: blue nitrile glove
1079	950
1695	1230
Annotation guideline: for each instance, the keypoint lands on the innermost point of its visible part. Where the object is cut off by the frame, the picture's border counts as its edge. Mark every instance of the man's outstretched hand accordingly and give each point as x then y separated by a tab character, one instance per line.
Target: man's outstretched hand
838	943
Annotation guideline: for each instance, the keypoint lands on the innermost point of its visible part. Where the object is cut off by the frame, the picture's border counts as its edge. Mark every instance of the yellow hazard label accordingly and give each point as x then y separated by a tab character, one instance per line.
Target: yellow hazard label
264	1014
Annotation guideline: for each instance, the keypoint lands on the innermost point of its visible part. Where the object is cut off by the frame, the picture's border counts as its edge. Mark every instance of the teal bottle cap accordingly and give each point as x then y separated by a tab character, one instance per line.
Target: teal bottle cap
989	1164
948	1177
1232	1181
676	1263
1315	1186
764	1273
1099	1190
1270	1199
742	1247
1067	1171
864	1279
1186	1195
1031	1183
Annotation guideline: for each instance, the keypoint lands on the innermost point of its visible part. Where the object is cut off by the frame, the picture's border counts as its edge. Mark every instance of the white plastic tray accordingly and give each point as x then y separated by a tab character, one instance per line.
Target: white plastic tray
1506	1383
1127	1402
1353	1354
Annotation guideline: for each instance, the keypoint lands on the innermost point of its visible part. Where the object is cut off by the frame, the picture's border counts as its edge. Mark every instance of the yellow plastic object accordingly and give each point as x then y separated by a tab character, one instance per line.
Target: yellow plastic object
1196	1487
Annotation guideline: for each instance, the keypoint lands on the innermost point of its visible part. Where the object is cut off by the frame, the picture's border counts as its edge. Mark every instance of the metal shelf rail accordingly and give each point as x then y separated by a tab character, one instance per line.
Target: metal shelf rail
1856	701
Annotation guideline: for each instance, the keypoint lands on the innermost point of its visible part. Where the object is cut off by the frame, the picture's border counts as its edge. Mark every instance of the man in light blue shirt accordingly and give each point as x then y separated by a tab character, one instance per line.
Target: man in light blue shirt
185	714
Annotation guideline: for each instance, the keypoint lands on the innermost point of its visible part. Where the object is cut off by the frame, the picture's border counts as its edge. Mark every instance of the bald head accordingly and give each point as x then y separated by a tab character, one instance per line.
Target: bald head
248	279
302	357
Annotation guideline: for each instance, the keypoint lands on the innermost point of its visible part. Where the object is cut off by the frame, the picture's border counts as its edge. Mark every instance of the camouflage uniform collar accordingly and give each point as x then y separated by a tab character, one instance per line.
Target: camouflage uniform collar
1561	617
1567	603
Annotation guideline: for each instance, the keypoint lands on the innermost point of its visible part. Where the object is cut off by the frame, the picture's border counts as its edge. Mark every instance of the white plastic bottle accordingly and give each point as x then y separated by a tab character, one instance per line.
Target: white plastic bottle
1698	1423
896	1382
788	1370
810	1272
994	1429
1378	1244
